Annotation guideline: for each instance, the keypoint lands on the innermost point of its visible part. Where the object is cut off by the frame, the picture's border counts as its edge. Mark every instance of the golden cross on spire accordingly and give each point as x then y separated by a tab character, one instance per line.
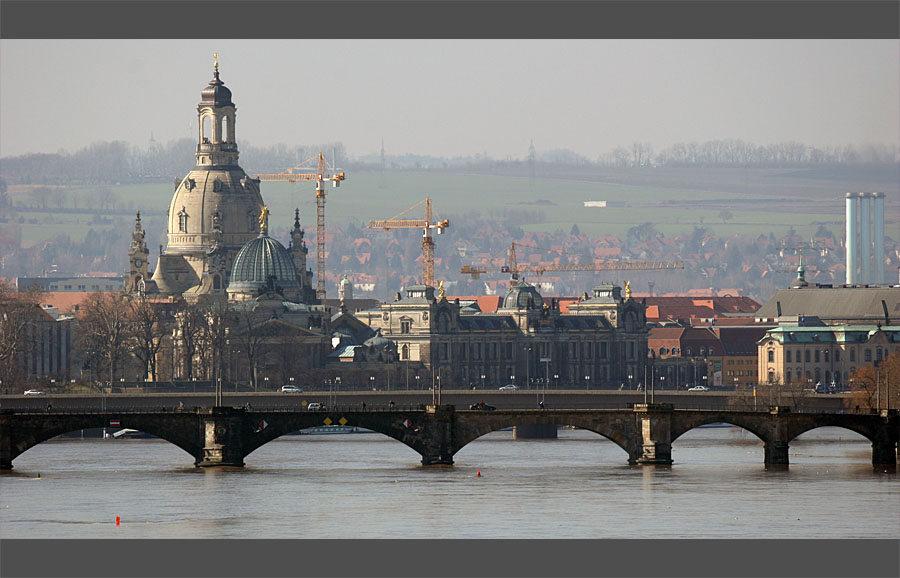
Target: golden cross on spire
216	55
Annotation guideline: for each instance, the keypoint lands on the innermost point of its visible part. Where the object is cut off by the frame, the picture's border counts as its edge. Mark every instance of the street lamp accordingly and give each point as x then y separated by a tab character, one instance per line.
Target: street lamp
587	382
527	366
417	382
482	381
372	381
512	379
555	381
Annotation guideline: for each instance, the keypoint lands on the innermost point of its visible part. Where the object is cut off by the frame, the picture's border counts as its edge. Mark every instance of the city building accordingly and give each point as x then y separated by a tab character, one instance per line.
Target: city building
823	333
527	341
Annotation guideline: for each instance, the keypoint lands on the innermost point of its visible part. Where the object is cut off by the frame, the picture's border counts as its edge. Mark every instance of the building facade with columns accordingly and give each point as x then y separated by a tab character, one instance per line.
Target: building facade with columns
526	341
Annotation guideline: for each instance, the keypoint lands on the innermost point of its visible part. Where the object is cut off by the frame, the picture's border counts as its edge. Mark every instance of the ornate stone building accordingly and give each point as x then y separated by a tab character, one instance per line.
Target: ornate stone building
526	341
214	211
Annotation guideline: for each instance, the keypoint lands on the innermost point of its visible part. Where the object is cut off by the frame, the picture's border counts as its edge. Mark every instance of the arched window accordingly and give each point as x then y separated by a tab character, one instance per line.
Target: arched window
771	376
687	351
182	221
663	351
404	352
205	129
771	356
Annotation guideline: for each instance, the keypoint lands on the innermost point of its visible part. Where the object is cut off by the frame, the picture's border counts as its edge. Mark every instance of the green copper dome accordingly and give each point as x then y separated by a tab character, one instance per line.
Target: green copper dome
263	263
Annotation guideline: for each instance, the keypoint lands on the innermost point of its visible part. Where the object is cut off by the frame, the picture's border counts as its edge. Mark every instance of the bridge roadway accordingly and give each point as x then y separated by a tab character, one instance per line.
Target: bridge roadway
224	436
461	398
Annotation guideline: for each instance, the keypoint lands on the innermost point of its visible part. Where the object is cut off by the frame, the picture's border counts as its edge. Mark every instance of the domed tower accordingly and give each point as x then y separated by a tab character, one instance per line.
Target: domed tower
215	208
263	266
524	304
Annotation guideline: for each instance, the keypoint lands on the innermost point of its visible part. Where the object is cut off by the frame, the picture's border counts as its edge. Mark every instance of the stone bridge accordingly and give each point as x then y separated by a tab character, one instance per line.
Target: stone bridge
224	436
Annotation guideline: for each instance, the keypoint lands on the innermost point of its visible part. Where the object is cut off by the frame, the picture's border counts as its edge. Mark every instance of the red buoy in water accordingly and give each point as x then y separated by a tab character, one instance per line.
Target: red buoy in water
479	473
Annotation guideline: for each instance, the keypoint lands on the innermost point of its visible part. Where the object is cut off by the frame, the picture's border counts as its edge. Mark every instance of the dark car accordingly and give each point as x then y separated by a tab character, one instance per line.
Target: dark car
482	406
822	388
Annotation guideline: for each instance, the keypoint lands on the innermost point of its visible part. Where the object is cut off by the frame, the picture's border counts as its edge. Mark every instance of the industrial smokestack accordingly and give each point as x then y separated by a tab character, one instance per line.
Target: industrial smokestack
878	238
850	243
865	238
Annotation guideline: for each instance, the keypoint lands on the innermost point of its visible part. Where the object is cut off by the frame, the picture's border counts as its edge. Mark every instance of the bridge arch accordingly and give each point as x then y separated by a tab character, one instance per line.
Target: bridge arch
748	421
281	423
624	437
26	434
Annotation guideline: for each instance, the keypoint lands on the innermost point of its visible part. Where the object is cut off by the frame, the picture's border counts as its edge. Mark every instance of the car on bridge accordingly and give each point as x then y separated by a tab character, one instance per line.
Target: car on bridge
291	389
482	406
509	387
315	406
698	388
34	392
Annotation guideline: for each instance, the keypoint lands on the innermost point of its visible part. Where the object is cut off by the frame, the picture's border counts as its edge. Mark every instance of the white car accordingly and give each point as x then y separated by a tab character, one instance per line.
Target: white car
698	388
314	406
34	392
291	389
509	387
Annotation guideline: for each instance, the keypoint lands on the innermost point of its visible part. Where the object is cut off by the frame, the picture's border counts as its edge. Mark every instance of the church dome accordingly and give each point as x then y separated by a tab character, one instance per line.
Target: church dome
263	263
523	296
216	93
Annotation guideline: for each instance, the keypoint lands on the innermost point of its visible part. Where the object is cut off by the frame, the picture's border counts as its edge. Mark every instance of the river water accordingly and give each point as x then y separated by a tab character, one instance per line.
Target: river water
367	485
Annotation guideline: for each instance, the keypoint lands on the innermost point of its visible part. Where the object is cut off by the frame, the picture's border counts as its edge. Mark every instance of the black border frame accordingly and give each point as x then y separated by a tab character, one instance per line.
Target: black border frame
451	19
464	19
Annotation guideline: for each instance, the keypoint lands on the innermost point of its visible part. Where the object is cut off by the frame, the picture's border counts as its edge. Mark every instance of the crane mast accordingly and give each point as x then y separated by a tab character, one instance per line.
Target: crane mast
290	175
427	225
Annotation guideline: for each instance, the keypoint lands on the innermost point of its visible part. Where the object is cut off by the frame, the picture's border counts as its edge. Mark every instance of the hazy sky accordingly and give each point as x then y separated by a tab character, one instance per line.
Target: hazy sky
454	97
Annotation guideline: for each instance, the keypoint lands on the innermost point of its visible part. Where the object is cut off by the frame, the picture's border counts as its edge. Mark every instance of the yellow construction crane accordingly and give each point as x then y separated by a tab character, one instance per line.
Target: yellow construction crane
297	173
513	267
426	224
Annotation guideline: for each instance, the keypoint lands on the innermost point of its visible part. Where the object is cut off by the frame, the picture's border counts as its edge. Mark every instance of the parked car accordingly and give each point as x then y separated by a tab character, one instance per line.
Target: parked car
291	389
509	387
315	406
34	392
482	406
698	388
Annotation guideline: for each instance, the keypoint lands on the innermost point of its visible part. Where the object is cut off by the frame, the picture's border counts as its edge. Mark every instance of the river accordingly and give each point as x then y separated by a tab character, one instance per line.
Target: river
367	485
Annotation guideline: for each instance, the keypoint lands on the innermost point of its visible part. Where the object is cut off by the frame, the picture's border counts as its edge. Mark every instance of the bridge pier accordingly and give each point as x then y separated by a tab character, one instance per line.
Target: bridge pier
776	453
437	436
655	422
536	431
884	453
223	437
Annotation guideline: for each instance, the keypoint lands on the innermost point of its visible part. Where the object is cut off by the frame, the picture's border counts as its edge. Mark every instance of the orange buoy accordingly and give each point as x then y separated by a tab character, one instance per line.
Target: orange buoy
117	520
479	473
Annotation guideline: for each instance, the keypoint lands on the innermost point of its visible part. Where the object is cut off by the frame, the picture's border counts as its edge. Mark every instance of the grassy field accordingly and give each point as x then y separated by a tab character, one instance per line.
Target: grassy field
675	200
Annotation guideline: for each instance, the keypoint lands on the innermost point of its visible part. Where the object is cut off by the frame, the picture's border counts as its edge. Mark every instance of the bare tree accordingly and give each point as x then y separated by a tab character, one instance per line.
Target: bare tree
17	312
189	331
103	333
877	386
249	335
214	337
146	335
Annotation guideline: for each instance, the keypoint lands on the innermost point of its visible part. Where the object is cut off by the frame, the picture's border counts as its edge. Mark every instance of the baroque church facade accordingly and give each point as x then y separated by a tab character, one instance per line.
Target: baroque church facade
215	210
218	251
